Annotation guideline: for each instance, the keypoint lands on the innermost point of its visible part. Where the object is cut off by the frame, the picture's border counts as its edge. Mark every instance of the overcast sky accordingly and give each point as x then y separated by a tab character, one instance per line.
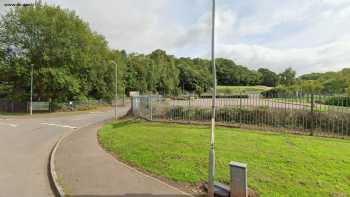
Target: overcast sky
308	35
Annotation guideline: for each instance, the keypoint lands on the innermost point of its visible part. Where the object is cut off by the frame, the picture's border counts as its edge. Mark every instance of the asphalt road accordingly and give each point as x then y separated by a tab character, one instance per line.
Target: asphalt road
25	145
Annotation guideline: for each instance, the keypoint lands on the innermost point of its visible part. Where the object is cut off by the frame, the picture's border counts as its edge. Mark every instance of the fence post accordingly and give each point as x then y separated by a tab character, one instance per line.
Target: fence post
189	109
150	107
240	109
312	114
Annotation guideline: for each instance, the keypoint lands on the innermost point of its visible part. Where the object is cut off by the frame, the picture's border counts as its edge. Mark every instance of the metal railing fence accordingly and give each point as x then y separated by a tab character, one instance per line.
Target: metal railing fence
23	107
13	106
313	114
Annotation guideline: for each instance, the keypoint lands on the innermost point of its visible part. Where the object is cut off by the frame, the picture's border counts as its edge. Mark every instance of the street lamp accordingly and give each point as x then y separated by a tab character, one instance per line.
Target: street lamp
116	91
211	170
31	90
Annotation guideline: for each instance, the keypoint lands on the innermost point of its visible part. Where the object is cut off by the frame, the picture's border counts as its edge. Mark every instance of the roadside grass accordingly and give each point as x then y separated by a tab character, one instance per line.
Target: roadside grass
13	113
241	89
278	164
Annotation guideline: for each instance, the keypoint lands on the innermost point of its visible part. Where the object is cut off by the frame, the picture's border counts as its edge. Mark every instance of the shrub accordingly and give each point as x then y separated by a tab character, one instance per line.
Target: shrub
343	101
275	92
301	120
227	96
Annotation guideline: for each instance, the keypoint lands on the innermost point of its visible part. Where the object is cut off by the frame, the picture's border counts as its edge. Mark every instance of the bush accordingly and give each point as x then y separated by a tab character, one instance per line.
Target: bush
275	92
227	96
78	105
343	101
300	120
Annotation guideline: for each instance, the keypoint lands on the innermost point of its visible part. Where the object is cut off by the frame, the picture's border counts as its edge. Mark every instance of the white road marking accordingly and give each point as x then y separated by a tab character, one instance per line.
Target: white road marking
96	112
59	125
8	124
77	119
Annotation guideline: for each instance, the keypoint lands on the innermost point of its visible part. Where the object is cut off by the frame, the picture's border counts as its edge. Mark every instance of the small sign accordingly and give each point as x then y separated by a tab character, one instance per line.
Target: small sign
41	106
134	93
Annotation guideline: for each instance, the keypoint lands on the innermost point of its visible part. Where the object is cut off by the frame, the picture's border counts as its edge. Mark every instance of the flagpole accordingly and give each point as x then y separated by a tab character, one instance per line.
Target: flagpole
211	171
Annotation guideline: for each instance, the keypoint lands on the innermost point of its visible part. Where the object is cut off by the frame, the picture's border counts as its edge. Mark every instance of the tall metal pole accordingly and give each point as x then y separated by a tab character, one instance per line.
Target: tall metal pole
31	90
116	92
211	171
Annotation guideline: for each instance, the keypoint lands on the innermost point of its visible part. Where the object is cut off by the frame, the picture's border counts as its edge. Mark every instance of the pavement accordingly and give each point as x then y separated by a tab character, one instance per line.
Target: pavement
85	169
25	146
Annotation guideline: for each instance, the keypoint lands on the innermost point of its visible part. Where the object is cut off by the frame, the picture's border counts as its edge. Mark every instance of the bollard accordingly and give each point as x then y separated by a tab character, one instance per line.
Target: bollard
238	186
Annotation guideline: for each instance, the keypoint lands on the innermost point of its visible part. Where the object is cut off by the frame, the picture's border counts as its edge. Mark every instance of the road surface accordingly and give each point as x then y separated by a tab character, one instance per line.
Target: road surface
25	145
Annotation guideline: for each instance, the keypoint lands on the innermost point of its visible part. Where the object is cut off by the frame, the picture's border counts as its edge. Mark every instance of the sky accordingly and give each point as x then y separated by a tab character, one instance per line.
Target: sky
307	35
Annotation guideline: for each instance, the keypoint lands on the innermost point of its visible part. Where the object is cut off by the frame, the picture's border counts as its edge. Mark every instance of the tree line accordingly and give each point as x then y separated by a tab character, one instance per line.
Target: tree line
72	62
329	83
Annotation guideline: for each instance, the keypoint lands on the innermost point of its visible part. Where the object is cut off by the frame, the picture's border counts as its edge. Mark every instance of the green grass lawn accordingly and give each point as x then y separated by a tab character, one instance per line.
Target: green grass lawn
278	164
241	89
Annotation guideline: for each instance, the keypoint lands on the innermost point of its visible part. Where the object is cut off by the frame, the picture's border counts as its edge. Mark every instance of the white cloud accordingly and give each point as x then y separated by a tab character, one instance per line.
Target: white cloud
133	25
306	35
328	57
269	14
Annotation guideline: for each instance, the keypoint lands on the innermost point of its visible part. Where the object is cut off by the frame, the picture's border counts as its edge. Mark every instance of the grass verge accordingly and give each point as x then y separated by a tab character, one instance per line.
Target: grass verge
241	89
278	164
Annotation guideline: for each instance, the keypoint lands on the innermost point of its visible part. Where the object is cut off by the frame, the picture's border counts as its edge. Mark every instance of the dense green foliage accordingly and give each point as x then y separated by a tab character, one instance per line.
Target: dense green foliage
278	164
195	75
287	77
294	120
68	58
332	83
268	78
228	73
338	101
155	72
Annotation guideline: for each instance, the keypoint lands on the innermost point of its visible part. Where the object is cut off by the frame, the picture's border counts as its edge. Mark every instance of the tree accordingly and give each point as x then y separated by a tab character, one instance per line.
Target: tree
348	90
287	77
335	86
332	82
311	76
138	69
194	75
311	86
268	78
228	73
168	73
70	61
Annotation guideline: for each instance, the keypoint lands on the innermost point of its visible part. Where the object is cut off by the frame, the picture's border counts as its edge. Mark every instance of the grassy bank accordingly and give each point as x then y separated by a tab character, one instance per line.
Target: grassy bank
278	164
229	90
